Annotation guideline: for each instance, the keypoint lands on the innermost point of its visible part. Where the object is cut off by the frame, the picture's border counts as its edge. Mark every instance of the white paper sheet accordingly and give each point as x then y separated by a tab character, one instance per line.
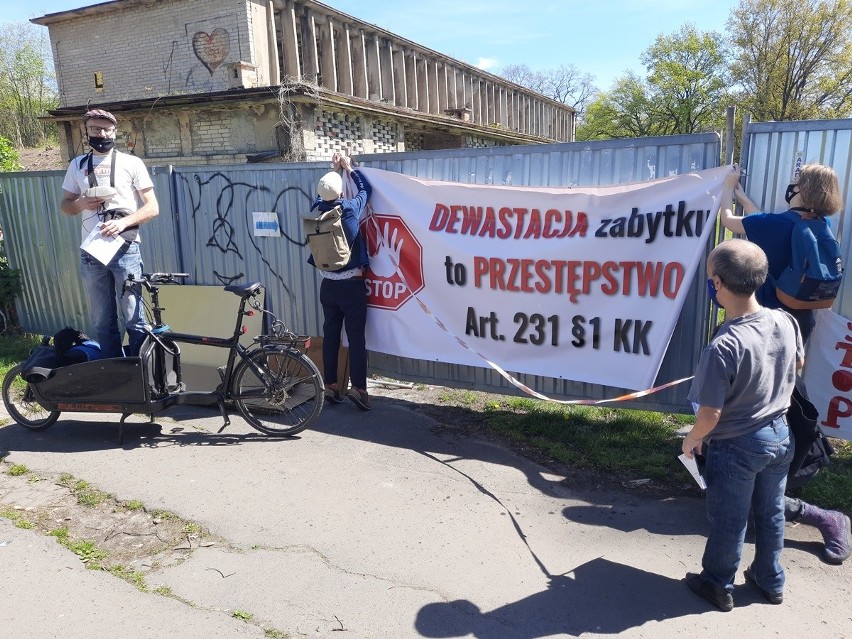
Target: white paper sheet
102	248
692	467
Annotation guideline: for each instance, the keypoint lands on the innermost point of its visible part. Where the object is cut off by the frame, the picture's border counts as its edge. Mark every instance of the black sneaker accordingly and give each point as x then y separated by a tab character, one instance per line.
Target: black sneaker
716	595
775	598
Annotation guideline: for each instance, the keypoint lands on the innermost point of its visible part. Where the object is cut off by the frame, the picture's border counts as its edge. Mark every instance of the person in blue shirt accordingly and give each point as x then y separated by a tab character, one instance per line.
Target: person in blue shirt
816	192
343	293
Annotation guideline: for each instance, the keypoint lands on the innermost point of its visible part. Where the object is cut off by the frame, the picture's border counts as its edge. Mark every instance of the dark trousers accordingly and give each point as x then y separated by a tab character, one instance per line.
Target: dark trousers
344	303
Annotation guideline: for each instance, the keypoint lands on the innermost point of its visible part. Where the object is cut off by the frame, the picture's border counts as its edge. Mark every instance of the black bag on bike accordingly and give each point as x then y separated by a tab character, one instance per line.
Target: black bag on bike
40	364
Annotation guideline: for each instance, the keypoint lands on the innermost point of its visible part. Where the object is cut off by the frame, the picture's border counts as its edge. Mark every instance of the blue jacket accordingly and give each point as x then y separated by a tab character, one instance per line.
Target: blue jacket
353	212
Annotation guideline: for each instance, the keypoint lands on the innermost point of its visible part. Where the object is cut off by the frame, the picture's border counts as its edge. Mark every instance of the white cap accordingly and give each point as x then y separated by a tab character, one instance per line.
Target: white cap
330	186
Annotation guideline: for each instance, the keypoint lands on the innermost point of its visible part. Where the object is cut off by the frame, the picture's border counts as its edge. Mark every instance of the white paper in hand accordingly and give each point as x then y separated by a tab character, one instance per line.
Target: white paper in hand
692	467
101	247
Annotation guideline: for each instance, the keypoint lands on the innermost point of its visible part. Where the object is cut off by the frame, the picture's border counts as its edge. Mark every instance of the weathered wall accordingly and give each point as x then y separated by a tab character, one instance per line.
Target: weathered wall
169	47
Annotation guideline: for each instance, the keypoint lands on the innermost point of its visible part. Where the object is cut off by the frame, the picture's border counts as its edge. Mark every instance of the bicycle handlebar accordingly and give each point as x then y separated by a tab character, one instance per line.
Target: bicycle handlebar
152	279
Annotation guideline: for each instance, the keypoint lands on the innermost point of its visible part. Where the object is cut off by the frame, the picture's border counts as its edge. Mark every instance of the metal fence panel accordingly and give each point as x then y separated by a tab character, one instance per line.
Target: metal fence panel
206	221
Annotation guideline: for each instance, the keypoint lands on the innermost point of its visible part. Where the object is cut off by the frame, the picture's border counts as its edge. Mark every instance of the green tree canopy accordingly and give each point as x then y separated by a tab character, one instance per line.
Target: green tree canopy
793	58
684	91
27	89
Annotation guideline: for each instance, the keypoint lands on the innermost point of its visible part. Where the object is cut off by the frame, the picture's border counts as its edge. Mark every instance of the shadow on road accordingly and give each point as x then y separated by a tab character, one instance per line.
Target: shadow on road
599	597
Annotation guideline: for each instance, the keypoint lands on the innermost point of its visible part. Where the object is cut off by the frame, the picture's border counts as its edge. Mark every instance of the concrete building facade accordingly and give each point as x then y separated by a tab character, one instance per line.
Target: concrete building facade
229	81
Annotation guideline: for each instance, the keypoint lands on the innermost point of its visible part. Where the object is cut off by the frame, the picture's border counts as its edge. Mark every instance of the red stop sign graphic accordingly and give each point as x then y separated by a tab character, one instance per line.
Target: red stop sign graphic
385	287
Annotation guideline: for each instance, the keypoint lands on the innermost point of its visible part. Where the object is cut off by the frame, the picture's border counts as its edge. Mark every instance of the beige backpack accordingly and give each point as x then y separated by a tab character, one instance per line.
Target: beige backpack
326	239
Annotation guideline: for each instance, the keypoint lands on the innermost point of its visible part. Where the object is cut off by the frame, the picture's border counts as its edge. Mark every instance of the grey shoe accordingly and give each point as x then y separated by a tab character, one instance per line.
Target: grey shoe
333	396
360	398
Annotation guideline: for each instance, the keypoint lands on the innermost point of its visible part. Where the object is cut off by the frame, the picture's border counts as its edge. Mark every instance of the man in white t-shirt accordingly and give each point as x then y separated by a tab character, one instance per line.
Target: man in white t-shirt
124	199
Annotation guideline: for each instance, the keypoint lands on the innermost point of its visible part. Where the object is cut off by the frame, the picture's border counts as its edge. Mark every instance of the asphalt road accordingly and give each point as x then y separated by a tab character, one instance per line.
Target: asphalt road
380	525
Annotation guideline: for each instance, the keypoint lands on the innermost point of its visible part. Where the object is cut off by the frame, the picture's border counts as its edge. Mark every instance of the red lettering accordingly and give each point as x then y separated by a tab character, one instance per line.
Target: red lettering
842	381
439	217
609	271
838	408
480	268
456	212
550	218
541	269
591	272
505	215
672	279
648	278
471	221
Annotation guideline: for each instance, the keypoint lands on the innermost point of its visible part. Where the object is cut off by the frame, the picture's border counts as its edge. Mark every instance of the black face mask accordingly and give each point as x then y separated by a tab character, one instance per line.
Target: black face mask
101	145
790	193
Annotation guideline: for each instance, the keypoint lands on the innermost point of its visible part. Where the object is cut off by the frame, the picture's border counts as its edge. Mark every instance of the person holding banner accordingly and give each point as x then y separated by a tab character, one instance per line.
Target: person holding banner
742	387
343	293
816	188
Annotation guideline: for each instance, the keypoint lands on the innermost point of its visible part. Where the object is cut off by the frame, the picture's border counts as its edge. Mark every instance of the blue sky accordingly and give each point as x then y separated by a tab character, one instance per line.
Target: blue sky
602	37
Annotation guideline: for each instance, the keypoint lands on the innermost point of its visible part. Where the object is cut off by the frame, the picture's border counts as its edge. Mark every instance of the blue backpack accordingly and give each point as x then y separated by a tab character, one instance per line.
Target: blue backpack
813	278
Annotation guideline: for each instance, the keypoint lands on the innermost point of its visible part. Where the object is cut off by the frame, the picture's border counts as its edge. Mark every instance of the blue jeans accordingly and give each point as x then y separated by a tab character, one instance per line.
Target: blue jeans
103	288
344	303
747	473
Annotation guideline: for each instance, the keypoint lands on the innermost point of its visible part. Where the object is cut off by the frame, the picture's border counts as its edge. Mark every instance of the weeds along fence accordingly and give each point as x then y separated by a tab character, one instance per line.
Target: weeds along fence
205	229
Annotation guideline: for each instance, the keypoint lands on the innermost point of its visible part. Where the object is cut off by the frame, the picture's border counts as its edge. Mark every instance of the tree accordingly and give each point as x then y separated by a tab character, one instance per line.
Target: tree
8	156
26	84
687	76
793	58
625	111
684	91
565	83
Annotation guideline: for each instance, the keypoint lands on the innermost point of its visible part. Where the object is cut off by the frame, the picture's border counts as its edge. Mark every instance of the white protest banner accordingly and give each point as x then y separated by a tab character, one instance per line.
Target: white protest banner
582	283
828	373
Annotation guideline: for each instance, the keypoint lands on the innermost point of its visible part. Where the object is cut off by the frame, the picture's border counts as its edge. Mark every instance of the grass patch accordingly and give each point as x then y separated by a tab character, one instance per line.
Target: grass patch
17	470
832	487
85	549
625	444
130	576
15	516
242	615
86	494
14	349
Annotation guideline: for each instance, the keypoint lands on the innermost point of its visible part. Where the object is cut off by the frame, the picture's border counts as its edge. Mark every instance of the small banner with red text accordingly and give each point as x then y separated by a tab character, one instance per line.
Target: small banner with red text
828	373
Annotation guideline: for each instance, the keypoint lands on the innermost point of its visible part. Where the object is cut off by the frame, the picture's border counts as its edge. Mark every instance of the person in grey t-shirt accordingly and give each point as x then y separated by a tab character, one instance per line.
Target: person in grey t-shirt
742	387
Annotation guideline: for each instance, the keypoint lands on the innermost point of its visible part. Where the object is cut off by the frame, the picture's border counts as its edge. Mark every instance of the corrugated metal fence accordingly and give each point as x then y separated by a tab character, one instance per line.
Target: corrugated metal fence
205	223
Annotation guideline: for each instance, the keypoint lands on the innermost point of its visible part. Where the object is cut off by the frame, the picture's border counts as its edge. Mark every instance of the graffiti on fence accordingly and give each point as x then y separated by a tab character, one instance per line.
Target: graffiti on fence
234	199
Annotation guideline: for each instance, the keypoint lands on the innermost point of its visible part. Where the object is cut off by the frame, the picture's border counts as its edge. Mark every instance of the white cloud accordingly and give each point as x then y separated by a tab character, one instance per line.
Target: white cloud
486	64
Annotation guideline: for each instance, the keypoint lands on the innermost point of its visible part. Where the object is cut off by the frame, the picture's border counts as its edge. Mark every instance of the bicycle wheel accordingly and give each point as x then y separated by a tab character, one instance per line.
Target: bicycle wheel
284	396
21	404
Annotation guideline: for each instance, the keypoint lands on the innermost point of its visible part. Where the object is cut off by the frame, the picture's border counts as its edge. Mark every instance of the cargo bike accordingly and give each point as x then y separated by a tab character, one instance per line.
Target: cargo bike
272	383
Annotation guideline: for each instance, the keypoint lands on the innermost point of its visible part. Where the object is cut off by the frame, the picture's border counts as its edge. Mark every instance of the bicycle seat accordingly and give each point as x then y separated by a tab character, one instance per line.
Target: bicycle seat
246	290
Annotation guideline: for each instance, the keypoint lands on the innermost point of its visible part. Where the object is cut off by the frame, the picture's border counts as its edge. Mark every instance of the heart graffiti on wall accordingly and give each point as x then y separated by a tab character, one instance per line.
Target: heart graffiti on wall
211	48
